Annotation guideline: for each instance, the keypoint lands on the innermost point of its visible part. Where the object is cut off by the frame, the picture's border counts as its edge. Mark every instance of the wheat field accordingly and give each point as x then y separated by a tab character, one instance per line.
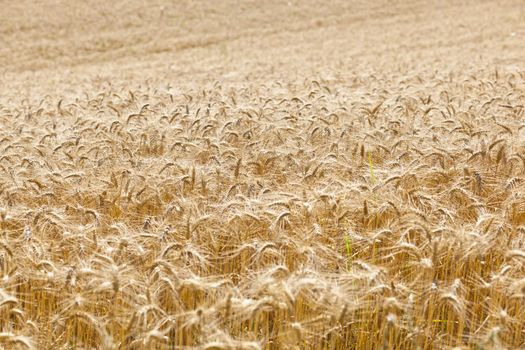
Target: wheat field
262	175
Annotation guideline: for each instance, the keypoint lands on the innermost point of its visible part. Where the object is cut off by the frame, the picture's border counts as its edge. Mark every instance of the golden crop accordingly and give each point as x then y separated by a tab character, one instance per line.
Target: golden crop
195	186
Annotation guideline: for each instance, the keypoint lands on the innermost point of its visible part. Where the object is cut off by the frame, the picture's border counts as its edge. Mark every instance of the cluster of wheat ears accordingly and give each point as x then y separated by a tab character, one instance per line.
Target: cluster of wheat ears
368	214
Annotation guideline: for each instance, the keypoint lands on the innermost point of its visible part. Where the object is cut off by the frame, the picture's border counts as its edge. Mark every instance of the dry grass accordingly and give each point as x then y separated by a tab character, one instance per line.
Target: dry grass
343	209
